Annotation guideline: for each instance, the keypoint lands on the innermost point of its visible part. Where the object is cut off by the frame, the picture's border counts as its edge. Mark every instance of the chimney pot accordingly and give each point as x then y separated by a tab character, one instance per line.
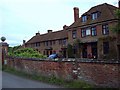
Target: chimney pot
24	41
76	13
49	31
37	33
65	27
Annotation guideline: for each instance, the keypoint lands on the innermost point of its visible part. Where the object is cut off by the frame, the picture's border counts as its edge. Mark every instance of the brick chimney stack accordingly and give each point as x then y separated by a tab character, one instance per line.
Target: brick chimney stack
49	31
24	43
76	13
37	33
65	27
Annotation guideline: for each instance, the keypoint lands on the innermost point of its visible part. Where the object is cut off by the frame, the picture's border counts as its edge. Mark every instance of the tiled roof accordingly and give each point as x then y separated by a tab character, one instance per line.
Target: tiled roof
106	13
49	36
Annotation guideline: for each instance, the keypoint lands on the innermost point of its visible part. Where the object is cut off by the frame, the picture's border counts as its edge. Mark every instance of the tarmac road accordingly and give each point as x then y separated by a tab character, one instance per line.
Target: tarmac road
13	81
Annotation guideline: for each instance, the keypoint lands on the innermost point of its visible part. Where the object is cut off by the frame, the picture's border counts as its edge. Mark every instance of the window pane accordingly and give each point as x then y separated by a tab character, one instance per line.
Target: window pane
94	32
84	18
94	16
83	33
105	29
64	42
88	32
74	34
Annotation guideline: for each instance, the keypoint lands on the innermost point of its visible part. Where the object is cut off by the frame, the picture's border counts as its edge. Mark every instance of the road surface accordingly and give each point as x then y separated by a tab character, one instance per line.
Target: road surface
12	81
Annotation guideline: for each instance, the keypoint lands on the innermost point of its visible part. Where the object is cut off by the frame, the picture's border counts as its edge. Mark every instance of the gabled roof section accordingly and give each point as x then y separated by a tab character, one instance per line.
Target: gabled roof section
49	36
105	10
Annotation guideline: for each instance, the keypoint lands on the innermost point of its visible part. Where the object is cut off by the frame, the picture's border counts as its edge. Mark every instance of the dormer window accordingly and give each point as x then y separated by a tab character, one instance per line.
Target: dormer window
94	15
84	18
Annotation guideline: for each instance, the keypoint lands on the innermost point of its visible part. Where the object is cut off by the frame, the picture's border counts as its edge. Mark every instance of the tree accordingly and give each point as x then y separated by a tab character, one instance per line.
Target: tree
70	51
116	28
78	46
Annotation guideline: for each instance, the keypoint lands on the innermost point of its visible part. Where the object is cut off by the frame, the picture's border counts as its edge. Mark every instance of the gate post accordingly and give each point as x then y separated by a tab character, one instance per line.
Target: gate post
3	50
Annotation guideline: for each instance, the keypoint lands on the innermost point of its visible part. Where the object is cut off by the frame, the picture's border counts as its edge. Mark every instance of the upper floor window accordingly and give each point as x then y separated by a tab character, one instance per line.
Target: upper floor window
50	42
93	31
64	41
88	31
83	33
94	15
84	18
46	43
60	41
74	34
37	44
105	29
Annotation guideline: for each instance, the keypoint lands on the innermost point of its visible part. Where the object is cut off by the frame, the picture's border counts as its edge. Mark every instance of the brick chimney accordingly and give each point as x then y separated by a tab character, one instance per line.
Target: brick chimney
24	43
76	13
65	27
37	33
49	31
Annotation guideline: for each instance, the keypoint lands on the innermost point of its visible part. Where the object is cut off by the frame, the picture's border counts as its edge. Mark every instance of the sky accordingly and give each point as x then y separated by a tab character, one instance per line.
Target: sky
21	19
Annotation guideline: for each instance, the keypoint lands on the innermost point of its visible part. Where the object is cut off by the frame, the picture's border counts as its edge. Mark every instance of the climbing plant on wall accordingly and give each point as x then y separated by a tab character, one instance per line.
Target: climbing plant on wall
70	51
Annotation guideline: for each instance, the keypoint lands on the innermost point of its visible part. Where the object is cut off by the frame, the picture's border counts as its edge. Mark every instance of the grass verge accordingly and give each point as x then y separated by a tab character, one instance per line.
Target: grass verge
51	80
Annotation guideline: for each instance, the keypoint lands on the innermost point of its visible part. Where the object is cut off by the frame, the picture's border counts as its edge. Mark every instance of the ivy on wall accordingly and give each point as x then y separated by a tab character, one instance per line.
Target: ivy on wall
112	48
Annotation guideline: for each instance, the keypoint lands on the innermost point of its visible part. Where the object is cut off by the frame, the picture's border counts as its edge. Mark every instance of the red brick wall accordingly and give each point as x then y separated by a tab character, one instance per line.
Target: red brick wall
101	74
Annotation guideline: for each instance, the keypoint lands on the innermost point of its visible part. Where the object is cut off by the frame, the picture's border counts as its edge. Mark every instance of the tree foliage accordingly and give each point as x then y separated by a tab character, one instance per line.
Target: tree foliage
27	53
12	49
70	51
116	28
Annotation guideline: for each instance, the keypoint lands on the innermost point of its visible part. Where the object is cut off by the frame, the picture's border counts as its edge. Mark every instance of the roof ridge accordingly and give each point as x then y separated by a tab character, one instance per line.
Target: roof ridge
51	32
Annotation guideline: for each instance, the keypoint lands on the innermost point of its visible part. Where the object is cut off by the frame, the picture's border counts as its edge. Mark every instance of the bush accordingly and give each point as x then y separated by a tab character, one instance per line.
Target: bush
27	53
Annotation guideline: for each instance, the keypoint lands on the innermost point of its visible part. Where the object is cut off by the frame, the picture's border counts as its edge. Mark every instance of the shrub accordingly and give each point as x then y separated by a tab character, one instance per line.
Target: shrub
27	53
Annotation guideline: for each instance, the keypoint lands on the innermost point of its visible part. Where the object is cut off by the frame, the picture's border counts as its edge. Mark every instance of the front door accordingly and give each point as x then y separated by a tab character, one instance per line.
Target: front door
94	50
84	51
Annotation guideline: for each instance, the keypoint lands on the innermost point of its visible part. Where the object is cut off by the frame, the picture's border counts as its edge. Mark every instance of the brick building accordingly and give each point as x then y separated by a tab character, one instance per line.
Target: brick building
90	35
51	42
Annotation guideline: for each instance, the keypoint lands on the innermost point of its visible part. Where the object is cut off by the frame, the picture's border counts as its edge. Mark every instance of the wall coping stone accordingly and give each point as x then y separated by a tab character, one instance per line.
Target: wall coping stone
80	60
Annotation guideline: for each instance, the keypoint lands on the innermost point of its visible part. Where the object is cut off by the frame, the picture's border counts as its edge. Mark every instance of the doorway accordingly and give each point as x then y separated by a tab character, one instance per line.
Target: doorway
94	50
84	51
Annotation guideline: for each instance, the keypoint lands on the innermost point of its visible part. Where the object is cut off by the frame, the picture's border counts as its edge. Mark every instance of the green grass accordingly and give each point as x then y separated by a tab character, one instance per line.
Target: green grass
51	80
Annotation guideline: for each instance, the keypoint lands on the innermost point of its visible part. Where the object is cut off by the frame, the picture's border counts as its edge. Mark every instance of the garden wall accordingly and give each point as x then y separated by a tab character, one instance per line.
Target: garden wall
101	73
